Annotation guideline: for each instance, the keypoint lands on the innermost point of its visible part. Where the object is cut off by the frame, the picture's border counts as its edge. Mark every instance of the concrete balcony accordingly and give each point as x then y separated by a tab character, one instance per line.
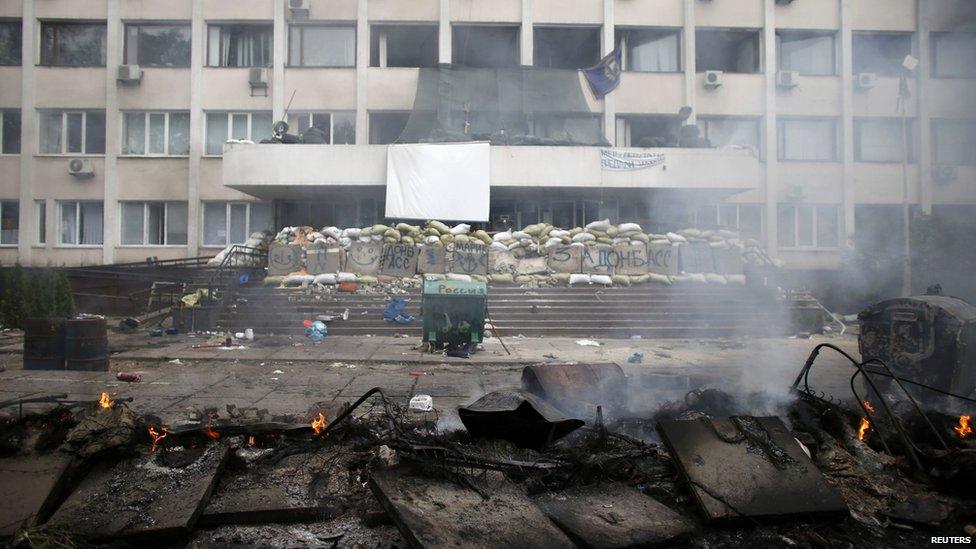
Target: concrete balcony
289	171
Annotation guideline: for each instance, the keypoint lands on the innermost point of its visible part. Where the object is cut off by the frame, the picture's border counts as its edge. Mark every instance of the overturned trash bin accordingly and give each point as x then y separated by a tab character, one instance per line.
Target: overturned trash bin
518	417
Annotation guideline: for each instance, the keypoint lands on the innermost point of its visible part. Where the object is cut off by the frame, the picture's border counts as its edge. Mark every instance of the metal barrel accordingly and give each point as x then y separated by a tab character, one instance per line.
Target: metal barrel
86	344
44	344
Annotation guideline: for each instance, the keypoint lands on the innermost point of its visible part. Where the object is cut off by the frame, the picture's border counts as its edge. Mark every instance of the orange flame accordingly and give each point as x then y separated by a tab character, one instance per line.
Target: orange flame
319	423
964	429
210	432
862	430
105	401
157	436
250	440
869	407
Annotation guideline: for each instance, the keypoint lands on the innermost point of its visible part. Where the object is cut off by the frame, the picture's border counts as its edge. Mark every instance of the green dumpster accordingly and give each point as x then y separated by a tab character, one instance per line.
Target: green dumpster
454	311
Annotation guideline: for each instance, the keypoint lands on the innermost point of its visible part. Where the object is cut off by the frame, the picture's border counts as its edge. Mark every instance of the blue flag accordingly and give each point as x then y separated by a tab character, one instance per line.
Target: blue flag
605	75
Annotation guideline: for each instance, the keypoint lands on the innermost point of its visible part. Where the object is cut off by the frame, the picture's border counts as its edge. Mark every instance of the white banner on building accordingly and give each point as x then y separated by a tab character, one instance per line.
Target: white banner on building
446	181
619	160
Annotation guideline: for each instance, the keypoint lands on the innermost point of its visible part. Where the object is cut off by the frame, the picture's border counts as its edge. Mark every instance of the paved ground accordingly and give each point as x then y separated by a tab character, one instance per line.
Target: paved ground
287	375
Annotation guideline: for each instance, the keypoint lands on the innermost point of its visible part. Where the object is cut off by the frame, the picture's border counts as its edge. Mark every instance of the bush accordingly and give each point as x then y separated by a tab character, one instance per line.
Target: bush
40	293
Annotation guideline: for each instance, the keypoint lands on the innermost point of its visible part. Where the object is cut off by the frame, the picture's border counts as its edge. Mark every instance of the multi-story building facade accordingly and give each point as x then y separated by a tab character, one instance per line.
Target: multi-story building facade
138	98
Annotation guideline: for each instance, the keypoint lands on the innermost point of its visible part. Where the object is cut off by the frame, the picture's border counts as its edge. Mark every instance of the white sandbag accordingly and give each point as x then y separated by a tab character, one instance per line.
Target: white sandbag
628	227
334	232
690	233
724	233
351	232
559	233
675	237
315	236
713	278
736	279
499	246
514	245
696	277
377	237
456	276
603	280
506	235
661	241
345	241
432	240
637	243
298	280
553	242
718	244
601	225
519	235
583	237
326	278
658	278
525	242
346	277
578	244
578	278
461	228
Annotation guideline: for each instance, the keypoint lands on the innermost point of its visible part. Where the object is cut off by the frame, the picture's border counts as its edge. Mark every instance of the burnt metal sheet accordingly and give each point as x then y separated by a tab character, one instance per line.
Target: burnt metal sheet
576	387
613	515
433	512
519	417
748	466
31	485
143	498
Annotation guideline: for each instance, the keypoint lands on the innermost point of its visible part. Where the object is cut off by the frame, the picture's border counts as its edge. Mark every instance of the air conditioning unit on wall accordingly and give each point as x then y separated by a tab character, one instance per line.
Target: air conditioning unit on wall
713	79
299	8
129	74
787	79
258	77
81	168
865	80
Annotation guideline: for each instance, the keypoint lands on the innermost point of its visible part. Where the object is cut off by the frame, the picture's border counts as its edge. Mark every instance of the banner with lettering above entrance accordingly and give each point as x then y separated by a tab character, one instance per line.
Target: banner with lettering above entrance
620	160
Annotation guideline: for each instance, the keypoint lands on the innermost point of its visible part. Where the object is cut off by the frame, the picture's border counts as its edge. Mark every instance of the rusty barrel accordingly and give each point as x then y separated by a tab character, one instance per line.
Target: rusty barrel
570	385
86	344
44	344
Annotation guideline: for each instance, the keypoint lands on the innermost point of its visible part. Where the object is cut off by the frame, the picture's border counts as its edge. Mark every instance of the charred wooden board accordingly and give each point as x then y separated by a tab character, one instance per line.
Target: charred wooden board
613	515
142	498
32	485
748	466
436	513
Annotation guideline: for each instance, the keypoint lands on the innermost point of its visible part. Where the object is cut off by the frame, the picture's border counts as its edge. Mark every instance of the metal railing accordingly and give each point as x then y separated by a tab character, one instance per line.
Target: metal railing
238	258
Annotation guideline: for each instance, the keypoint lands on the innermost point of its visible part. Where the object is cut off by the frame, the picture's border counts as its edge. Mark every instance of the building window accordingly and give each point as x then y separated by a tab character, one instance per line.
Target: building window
9	222
650	50
157	45
727	50
386	127
566	47
953	141
153	223
337	128
953	54
156	133
731	132
403	46
811	139
487	47
321	46
808	226
40	217
239	45
72	132
10	42
72	44
746	218
226	223
809	53
81	223
10	131
881	53
881	140
222	126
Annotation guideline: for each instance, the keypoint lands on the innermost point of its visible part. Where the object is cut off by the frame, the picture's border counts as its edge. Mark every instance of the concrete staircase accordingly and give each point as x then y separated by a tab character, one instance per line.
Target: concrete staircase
648	311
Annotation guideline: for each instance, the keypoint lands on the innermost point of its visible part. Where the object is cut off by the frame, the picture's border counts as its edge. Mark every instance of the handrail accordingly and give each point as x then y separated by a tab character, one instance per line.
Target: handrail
237	257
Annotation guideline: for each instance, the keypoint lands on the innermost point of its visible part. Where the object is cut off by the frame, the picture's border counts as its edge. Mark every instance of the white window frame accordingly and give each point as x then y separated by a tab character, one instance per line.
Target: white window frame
299	28
16	204
706	119
64	133
230	127
781	145
78	203
815	233
129	49
40	223
145	223
145	138
227	221
222	28
738	215
332	115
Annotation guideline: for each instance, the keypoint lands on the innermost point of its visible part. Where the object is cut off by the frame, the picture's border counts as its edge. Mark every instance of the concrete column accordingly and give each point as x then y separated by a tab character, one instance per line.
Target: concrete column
198	34
607	44
770	187
279	95
688	53
527	35
113	57
923	119
28	137
847	119
445	36
362	63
